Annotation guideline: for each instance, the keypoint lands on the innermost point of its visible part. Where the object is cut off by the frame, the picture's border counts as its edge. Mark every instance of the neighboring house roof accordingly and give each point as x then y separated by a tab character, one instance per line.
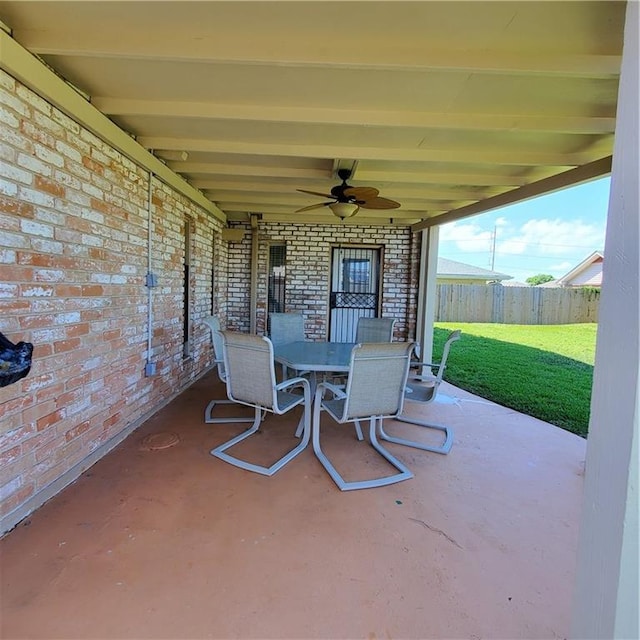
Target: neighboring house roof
586	274
450	270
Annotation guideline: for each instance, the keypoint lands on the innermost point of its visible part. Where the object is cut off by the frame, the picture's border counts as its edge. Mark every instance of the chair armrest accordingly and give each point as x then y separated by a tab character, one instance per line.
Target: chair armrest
292	382
338	392
413	364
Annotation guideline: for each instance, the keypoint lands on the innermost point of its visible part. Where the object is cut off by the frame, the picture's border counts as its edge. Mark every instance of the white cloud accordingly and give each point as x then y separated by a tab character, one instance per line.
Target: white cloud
466	236
502	222
552	238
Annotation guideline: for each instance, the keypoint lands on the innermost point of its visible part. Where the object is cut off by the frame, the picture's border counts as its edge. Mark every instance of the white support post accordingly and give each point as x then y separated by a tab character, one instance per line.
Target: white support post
426	311
606	591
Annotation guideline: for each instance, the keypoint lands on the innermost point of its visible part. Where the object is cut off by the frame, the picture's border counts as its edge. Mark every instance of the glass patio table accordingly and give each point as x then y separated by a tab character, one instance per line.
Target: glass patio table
315	356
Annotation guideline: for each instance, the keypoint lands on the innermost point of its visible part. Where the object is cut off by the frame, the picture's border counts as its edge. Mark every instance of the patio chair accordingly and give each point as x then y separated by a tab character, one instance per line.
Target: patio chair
213	323
374	329
423	388
368	330
374	390
251	380
284	328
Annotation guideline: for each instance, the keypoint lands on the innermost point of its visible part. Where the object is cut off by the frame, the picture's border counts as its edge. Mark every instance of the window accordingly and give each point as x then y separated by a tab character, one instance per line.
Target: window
214	291
186	292
277	278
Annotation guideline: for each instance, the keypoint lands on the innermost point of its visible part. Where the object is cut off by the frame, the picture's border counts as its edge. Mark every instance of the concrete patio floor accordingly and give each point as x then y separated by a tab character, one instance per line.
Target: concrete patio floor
173	543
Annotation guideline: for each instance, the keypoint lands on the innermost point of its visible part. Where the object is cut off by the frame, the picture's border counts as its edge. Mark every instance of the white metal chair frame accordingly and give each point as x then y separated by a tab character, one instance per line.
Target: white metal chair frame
423	388
213	322
374	390
251	380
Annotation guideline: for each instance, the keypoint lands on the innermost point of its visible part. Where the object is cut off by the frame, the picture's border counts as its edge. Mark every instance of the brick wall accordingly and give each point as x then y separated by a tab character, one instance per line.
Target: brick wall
73	259
309	273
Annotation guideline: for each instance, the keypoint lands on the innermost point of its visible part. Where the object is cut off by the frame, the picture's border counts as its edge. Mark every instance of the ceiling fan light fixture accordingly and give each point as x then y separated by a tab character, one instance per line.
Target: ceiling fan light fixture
344	209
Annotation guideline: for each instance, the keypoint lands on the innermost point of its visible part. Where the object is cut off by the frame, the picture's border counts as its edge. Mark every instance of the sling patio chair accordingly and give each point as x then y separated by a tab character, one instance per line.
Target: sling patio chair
251	380
284	328
422	388
374	329
374	390
368	330
213	322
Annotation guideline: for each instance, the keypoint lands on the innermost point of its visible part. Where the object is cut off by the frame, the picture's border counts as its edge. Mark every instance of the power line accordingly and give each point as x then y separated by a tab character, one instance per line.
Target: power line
536	244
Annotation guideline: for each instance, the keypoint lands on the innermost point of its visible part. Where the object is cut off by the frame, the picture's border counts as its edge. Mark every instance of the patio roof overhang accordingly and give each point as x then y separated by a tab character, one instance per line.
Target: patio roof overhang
450	108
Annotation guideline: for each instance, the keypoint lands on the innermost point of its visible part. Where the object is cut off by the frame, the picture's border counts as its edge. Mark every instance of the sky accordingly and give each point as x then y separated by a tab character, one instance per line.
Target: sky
550	234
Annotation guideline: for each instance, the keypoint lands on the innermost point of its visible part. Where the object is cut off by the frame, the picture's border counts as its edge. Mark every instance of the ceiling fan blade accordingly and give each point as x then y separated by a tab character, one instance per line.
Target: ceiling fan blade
314	206
379	203
316	193
361	193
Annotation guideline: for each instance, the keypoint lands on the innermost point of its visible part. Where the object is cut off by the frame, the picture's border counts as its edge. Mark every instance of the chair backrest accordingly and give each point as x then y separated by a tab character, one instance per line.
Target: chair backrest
453	336
375	330
286	327
213	322
251	377
424	389
377	378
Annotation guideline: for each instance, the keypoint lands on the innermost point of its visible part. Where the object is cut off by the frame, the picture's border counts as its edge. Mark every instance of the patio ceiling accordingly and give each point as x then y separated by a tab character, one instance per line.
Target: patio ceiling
450	108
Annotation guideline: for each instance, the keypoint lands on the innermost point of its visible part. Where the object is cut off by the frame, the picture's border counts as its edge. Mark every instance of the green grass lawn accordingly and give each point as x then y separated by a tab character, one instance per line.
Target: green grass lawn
545	371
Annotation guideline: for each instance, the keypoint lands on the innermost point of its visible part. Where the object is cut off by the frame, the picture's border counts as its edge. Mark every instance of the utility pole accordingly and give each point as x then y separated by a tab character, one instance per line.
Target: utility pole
493	247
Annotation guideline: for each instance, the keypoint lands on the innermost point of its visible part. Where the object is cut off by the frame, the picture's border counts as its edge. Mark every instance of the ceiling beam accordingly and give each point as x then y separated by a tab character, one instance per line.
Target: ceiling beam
466	156
280	209
287	52
319	218
454	177
218	189
547	185
556	123
230	169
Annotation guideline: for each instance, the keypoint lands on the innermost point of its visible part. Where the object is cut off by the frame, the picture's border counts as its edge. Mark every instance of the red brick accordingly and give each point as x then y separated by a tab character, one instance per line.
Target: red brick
9	455
76	431
50	419
68	290
49	186
49	392
15	207
75	330
66	345
92	290
92	165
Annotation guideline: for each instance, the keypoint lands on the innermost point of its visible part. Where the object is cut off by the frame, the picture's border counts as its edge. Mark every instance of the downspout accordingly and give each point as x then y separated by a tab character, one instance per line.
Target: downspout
253	302
151	281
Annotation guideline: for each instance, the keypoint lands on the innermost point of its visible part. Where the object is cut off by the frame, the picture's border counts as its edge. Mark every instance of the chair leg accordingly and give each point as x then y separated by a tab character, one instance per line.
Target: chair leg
444	448
313	382
220	451
343	485
208	414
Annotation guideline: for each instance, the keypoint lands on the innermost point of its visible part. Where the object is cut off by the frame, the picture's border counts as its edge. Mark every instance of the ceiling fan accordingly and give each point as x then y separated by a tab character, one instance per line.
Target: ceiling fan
347	201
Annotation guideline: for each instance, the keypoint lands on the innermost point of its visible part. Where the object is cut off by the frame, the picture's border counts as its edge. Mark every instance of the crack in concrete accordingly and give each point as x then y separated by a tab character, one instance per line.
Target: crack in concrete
436	530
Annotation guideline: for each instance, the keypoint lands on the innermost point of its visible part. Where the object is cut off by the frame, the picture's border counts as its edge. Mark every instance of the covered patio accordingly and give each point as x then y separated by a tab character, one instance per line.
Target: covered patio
150	162
172	543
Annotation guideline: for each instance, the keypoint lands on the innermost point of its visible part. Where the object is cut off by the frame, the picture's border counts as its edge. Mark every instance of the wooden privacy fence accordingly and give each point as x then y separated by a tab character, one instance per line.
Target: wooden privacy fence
515	305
